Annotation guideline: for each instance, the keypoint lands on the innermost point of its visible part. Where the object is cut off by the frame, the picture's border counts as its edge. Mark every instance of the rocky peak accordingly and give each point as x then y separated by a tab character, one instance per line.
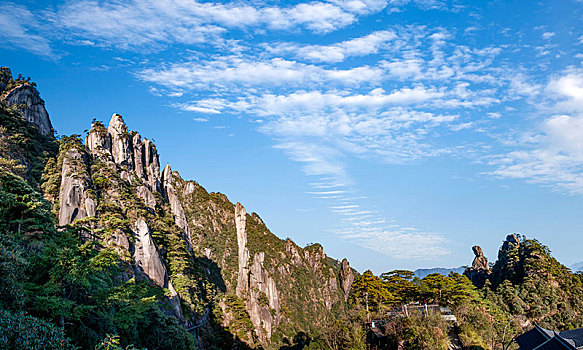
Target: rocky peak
510	242
314	255
479	272
98	140
121	149
480	261
26	97
346	278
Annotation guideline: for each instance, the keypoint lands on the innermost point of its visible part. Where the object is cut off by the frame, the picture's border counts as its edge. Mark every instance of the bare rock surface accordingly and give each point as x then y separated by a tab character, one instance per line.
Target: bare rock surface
346	277
175	204
262	286
479	272
73	198
27	98
243	275
146	255
149	263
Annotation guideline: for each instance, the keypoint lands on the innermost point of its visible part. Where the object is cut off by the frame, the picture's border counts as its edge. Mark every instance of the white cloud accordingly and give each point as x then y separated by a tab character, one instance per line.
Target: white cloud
235	70
147	24
548	35
554	155
21	29
362	46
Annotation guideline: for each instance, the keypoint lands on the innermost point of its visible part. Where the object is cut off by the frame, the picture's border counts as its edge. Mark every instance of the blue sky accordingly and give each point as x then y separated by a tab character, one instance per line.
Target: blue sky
397	133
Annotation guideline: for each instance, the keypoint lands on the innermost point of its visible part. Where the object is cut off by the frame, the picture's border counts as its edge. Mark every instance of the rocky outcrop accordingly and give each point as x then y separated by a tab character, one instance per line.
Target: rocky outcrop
480	261
75	202
175	204
129	155
243	257
146	256
292	250
265	317
27	100
148	263
346	278
511	242
479	272
121	149
98	141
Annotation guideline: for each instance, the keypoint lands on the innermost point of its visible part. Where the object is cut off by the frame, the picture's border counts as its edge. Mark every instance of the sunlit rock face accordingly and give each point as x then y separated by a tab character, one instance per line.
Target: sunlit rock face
243	253
346	278
75	203
479	272
175	204
26	98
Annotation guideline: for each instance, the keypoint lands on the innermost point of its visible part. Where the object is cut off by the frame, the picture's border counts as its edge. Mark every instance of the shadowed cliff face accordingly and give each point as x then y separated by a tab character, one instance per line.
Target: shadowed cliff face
23	95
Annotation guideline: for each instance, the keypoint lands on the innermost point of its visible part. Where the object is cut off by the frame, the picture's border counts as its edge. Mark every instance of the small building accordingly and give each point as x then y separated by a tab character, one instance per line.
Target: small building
539	338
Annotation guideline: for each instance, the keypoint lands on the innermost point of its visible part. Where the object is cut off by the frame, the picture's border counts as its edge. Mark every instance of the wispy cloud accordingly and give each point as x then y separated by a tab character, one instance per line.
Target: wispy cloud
20	28
553	154
143	23
362	46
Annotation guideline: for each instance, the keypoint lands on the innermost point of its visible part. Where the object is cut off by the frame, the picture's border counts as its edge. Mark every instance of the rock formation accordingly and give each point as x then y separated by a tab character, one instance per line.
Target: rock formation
243	252
346	278
75	203
175	204
26	98
148	262
261	285
479	272
511	242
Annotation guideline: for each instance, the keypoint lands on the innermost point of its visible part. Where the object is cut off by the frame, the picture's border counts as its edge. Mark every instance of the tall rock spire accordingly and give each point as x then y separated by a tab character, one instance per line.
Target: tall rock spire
175	204
243	276
120	142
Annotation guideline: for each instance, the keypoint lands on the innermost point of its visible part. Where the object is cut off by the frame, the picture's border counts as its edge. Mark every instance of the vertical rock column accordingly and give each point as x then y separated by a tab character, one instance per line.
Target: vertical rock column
148	262
243	277
74	202
346	278
175	204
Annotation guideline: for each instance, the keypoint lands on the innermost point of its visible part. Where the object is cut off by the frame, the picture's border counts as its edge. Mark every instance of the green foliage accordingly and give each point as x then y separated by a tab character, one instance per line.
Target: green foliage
241	324
368	291
419	332
528	281
19	331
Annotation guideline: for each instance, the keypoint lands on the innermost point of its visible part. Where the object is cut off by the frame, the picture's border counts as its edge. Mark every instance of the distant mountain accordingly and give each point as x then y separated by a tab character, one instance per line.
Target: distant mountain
421	273
577	266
